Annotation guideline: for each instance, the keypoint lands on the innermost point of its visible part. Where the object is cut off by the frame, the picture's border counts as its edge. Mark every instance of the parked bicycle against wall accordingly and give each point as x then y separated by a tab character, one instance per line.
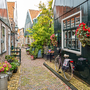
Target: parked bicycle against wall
66	66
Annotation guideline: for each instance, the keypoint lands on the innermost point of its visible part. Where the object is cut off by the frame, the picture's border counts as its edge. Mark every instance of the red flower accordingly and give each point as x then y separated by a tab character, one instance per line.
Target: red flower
88	35
76	32
82	24
88	29
84	28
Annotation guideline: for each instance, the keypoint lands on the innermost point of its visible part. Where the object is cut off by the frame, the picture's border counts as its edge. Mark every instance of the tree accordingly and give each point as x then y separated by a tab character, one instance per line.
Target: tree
43	29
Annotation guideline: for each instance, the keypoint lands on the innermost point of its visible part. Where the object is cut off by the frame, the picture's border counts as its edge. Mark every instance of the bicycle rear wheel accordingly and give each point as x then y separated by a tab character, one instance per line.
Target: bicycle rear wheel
68	74
57	65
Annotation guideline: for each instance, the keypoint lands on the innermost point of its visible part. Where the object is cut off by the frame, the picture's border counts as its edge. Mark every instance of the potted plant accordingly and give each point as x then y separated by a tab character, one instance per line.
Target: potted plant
83	34
27	51
32	55
14	67
9	58
4	68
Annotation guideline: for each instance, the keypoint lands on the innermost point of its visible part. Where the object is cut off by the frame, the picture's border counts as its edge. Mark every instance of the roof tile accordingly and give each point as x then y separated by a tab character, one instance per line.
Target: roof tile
34	13
11	6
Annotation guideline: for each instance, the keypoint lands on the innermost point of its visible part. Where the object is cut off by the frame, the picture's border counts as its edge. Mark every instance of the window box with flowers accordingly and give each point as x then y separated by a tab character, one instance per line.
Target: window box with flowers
83	34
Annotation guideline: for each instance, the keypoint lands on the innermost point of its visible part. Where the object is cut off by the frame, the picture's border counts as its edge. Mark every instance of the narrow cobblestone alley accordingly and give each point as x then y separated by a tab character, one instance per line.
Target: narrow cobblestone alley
35	76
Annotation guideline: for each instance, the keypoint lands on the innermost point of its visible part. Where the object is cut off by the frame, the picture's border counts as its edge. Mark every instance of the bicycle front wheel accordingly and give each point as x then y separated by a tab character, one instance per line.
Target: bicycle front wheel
68	74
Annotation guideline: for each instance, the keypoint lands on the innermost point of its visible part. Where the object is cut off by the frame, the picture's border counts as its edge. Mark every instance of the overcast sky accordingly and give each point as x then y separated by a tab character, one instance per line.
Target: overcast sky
23	6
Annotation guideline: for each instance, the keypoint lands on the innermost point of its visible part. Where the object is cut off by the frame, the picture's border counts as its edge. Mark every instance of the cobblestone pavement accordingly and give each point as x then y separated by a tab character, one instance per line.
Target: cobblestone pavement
35	76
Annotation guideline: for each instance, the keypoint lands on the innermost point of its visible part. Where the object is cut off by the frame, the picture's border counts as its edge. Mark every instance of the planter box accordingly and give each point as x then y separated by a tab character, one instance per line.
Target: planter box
3	81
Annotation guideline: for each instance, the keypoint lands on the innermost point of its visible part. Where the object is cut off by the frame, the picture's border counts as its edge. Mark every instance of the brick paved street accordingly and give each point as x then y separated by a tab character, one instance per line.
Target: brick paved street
35	76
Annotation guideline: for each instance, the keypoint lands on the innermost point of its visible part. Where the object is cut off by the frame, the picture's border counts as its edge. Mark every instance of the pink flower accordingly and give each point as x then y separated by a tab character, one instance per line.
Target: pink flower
10	66
2	69
4	65
6	62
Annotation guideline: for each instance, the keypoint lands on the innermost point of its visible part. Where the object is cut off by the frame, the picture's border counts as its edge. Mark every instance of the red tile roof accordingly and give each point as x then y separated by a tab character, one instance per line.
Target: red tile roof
3	12
11	6
34	13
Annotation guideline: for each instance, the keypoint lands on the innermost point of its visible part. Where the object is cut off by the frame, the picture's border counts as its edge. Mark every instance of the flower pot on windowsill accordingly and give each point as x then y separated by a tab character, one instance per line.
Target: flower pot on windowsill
3	81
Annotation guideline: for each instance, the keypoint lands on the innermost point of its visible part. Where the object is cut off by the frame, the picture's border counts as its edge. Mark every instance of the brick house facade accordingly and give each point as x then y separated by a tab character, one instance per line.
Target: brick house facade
21	39
4	31
6	47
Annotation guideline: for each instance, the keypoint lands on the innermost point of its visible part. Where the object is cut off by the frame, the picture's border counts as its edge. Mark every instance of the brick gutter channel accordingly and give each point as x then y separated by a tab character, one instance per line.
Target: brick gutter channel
60	77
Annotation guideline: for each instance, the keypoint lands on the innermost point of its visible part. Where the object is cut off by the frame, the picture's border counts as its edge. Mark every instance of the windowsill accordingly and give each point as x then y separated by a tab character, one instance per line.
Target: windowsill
72	51
3	52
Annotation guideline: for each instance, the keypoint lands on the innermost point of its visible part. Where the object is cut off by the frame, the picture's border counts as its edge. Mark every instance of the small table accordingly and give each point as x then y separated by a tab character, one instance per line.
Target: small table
50	54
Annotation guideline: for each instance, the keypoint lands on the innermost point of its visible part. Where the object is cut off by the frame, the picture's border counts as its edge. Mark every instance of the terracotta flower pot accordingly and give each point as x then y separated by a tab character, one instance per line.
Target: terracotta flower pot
32	57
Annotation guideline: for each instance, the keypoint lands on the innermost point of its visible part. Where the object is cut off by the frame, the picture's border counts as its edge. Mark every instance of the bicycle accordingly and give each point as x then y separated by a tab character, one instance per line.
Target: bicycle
66	66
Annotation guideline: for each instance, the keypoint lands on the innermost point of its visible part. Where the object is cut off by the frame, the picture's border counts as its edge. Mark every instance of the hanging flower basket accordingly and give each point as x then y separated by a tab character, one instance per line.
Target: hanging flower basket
53	40
83	34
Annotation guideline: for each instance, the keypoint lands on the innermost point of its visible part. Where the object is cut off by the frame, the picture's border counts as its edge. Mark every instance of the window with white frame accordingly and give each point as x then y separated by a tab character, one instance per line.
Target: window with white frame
69	41
3	39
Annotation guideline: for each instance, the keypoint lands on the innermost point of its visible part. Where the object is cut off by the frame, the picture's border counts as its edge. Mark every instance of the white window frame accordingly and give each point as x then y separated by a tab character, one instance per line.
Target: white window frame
5	38
72	51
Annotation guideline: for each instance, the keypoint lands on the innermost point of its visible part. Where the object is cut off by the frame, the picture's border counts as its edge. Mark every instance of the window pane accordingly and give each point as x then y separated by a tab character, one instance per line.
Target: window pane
73	34
65	39
68	23
69	34
64	24
3	39
73	39
77	44
77	20
72	22
69	44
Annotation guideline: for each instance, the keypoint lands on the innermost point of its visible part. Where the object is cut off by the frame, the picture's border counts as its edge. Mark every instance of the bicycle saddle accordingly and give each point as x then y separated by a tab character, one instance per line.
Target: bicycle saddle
65	55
